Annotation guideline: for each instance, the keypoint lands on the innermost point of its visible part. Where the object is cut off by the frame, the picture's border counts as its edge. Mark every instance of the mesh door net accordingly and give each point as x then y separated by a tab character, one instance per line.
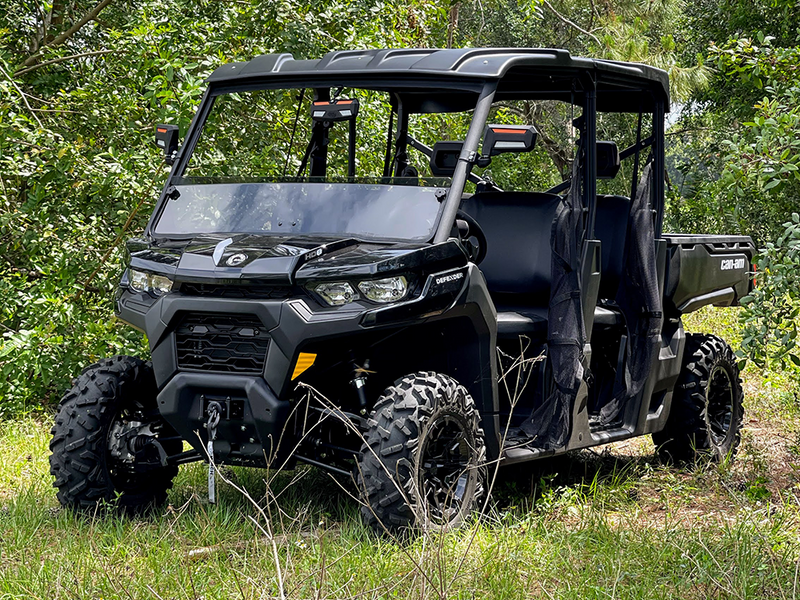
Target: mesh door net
549	425
639	300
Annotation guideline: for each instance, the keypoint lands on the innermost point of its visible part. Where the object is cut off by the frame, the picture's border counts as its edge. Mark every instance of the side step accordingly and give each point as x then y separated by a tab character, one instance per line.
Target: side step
518	454
517	450
596	425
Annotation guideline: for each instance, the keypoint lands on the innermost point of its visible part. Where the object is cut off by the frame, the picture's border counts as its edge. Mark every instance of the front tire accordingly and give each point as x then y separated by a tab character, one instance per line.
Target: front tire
102	446
706	415
424	461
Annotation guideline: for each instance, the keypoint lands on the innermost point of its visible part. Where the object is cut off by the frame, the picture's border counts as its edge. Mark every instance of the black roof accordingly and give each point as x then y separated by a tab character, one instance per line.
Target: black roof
520	72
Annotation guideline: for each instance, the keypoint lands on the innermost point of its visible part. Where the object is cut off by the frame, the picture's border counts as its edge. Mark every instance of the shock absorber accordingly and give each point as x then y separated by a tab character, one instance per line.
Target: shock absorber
359	382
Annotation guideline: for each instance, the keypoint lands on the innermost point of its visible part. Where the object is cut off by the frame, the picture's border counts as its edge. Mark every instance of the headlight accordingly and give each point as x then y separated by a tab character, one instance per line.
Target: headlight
160	285
386	290
381	291
139	281
337	293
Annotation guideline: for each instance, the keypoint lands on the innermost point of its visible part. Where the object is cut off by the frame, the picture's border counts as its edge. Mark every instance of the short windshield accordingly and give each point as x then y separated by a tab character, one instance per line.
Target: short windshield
368	163
359	210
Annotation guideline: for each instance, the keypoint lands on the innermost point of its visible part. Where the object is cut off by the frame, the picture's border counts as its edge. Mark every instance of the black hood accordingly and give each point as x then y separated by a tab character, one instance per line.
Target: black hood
286	259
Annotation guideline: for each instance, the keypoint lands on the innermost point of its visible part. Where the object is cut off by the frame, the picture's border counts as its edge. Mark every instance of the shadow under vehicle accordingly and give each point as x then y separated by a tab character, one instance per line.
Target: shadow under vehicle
382	307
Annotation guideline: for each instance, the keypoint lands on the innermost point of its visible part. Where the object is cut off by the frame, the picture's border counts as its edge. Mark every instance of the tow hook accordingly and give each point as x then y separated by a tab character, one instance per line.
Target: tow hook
214	415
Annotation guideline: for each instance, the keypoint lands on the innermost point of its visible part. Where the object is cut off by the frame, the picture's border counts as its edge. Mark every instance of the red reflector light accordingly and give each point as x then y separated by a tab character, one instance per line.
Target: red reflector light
334	103
517	131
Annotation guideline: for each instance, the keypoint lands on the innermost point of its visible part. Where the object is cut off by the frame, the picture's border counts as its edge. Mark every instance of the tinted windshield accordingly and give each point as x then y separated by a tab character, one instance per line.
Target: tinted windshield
360	210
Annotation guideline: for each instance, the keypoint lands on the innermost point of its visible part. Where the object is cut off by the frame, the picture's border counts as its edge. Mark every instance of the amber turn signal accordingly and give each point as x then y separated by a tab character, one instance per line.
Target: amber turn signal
304	362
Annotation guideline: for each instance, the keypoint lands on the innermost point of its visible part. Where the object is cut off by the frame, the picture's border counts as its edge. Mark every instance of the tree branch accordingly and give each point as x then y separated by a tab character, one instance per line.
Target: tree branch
55	18
57	41
566	21
561	157
22	95
595	12
62	59
452	24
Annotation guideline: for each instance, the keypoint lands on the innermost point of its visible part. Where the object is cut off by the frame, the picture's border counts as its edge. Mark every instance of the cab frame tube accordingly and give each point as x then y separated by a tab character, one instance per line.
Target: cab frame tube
469	153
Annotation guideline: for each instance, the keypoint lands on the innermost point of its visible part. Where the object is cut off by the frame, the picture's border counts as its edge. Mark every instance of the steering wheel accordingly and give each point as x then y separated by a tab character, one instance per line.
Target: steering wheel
474	231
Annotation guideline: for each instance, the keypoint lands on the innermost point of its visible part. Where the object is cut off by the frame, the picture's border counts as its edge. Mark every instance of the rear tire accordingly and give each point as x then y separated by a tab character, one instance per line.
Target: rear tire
103	403
706	415
423	464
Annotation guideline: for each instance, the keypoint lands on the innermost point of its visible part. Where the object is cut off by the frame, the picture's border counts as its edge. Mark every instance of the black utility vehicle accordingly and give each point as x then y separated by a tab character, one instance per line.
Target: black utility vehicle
395	307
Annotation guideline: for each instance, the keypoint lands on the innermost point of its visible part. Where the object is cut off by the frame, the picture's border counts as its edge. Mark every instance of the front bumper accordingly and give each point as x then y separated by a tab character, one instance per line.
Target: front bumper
257	410
253	420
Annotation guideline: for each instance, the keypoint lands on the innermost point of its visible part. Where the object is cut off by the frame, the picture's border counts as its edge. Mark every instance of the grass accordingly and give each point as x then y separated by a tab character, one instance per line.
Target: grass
613	523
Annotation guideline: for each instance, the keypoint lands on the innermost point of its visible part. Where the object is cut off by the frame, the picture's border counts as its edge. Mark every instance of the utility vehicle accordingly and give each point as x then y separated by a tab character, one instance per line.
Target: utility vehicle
400	307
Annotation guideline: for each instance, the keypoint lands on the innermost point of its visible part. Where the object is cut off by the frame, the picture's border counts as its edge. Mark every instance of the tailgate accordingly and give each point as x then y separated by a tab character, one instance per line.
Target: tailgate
707	269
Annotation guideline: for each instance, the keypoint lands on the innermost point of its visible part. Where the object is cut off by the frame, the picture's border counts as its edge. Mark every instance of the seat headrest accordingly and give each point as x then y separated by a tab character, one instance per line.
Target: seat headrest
444	158
607	160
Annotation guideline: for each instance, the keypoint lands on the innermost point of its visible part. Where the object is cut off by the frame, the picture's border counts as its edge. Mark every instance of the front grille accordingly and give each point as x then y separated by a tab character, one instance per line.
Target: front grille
221	343
242	291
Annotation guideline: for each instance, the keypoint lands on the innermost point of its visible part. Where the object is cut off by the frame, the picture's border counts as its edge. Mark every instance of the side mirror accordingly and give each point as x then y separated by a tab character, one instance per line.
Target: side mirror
508	138
334	110
167	140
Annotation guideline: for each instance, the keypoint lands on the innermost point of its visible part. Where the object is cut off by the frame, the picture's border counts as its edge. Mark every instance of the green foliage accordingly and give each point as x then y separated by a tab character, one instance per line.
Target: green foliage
705	24
734	151
78	172
759	185
758	178
770	315
761	178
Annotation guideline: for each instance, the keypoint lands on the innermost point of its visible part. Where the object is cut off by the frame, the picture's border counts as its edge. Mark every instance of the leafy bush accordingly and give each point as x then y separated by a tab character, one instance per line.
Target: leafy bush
78	172
758	187
770	316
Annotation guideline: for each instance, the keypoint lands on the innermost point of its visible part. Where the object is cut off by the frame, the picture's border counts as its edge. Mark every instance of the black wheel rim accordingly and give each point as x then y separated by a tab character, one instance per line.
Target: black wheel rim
719	412
445	468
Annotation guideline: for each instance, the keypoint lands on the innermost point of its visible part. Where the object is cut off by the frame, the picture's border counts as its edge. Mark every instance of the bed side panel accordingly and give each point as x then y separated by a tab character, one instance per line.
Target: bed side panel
708	269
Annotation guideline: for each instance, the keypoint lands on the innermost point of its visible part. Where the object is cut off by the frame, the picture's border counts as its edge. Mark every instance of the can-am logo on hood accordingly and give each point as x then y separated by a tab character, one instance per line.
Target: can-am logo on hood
236	259
233	260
